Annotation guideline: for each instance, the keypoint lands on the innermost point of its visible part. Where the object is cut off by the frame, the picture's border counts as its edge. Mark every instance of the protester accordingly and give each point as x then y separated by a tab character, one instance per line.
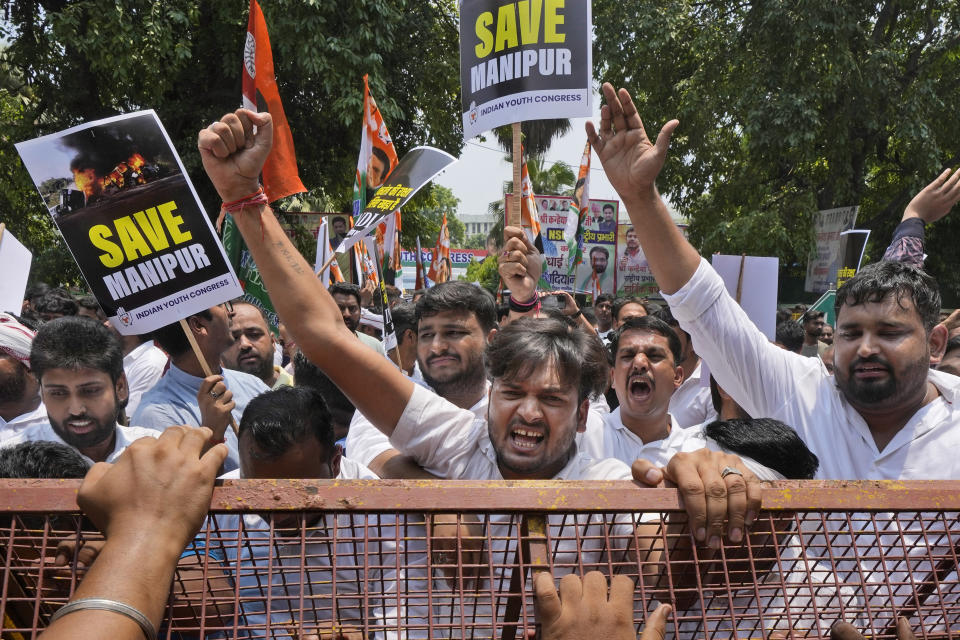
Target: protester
55	303
79	365
628	307
341	409
405	326
347	298
41	459
20	403
812	322
950	363
789	335
253	346
125	593
826	335
603	308
89	307
287	433
885	336
174	399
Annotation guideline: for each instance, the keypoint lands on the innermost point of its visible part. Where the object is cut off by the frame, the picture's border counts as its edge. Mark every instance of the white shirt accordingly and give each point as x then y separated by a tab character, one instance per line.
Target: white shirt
144	366
615	440
365	442
10	428
441	436
771	382
691	403
125	437
334	541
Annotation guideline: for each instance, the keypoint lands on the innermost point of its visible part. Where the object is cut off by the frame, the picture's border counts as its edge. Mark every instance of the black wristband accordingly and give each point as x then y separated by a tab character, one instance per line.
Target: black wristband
524	307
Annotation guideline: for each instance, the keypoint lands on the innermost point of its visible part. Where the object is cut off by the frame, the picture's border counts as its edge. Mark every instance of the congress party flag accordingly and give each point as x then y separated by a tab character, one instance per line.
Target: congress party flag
280	177
440	267
377	156
573	231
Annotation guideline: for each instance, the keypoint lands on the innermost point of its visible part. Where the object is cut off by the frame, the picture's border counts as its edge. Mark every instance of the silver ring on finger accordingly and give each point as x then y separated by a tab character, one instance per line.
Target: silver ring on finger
214	394
730	471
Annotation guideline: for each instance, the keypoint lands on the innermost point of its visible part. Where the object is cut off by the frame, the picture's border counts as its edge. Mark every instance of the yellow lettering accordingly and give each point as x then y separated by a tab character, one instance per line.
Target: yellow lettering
98	236
173	222
506	28
529	20
150	223
133	243
484	20
551	20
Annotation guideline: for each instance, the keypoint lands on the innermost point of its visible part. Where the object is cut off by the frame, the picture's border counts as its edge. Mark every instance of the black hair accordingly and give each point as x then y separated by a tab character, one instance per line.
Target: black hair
338	219
35	290
29	319
812	314
392	292
664	314
783	315
382	156
173	340
527	344
598	249
790	335
404	317
89	302
608	206
457	295
307	374
279	420
621	302
649	324
652	308
603	297
878	280
76	342
345	288
952	343
770	442
54	301
40	459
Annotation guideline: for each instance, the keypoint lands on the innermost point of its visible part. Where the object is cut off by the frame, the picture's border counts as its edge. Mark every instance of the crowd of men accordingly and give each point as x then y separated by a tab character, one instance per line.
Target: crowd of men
516	392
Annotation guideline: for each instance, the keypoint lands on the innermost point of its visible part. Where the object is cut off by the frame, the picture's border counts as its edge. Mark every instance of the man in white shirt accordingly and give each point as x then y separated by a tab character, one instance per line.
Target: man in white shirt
79	364
455	320
287	433
144	365
20	405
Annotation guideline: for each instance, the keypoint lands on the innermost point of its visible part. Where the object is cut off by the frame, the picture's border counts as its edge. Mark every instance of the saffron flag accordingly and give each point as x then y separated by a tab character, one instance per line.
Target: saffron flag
280	176
530	222
440	266
332	273
419	280
573	232
377	156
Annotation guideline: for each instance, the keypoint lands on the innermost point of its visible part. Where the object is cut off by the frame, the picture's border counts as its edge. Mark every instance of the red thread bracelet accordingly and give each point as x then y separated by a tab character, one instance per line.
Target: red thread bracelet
256	198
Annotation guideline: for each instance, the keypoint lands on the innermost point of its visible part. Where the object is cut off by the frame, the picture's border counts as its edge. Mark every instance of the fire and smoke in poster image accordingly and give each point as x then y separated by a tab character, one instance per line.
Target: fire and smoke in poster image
110	159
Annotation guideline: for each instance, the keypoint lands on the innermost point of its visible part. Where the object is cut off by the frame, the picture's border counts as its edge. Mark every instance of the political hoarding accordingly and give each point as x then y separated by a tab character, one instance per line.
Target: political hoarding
524	60
414	170
596	274
118	193
634	278
826	257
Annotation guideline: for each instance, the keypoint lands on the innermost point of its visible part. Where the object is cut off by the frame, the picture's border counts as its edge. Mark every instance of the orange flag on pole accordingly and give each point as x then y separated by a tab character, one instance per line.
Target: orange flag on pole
280	175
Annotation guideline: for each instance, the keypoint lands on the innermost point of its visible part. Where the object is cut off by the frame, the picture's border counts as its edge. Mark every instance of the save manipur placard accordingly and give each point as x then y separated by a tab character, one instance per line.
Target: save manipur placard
524	60
120	197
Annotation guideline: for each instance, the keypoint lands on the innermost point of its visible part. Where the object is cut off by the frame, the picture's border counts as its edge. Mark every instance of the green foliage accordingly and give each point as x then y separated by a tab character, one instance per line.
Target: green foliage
423	216
79	60
484	272
790	107
476	241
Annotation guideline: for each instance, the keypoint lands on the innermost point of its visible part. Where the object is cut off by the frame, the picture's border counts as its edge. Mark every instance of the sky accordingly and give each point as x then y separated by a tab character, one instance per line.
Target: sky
477	179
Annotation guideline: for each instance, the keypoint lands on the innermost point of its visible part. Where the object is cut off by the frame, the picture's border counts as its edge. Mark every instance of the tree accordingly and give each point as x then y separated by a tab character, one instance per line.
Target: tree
485	272
87	59
537	135
476	241
786	108
423	216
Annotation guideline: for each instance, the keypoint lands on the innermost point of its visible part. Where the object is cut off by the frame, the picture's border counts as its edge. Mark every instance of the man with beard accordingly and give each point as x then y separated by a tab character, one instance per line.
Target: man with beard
79	364
599	276
812	322
347	297
20	405
632	258
885	414
252	350
455	320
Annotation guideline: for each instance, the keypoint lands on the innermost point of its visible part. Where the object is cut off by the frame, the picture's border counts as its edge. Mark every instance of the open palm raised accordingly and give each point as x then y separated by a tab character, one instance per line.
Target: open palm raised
631	162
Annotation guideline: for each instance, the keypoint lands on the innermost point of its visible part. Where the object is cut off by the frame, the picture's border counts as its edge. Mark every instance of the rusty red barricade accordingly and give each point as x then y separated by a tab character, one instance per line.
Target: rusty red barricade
414	559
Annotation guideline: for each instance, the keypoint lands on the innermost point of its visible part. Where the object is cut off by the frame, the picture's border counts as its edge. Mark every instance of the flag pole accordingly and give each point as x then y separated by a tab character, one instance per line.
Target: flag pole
513	214
384	303
203	363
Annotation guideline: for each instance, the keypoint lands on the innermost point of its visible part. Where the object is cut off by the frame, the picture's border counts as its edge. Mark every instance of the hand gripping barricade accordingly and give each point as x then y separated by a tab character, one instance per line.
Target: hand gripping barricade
455	559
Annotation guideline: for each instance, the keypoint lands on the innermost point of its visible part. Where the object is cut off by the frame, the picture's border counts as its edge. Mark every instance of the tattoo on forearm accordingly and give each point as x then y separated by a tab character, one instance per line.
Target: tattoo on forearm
291	259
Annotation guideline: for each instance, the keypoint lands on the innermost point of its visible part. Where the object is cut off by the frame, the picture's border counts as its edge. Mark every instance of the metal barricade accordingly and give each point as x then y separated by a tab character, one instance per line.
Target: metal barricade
456	559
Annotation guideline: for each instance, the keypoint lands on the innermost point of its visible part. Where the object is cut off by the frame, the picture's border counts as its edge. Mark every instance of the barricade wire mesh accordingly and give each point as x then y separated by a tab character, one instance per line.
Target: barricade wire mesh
395	559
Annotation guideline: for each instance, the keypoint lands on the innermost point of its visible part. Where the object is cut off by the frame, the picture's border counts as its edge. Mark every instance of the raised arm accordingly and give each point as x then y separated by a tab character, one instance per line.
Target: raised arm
932	203
632	164
233	156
